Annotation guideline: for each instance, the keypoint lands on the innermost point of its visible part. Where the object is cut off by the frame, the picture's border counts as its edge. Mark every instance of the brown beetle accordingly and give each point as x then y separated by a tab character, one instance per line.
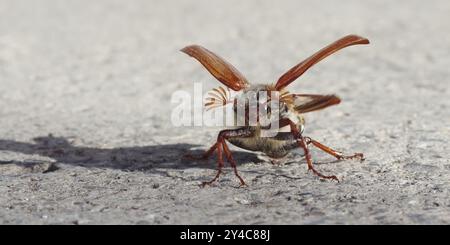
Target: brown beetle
291	108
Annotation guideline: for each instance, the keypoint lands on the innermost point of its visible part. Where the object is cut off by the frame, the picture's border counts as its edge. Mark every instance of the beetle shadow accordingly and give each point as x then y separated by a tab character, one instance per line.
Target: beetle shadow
135	158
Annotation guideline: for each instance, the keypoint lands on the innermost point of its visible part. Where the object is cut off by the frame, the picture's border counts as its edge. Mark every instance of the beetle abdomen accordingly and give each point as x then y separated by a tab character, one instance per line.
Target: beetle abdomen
275	147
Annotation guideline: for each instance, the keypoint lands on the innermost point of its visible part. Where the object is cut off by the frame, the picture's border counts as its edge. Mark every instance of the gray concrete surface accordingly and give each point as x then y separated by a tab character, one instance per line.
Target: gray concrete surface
86	138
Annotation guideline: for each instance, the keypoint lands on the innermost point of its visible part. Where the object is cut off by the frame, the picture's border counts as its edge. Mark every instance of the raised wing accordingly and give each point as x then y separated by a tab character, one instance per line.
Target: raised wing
218	67
299	69
304	103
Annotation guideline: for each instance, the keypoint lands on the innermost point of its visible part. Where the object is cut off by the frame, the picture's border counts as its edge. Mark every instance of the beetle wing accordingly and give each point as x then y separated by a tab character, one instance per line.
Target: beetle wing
304	103
299	69
218	67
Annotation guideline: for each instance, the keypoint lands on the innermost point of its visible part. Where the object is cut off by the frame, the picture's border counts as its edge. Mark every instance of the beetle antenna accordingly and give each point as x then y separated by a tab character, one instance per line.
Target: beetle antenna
218	97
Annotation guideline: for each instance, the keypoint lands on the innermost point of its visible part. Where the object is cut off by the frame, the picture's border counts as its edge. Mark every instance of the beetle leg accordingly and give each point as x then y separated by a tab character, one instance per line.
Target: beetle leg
227	134
219	166
222	145
204	156
303	144
337	154
232	163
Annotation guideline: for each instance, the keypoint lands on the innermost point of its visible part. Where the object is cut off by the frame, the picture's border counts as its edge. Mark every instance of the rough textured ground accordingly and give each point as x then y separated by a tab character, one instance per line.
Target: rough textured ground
86	137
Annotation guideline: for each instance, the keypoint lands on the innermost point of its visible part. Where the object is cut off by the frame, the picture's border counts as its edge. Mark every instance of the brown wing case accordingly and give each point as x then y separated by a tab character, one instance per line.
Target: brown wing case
218	67
304	103
299	69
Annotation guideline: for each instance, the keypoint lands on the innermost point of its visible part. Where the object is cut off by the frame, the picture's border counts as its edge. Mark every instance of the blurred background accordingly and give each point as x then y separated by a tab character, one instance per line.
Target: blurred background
119	61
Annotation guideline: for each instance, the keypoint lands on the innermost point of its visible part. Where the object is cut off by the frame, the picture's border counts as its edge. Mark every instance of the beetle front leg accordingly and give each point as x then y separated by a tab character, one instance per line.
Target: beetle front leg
339	155
222	147
304	145
219	166
227	134
232	162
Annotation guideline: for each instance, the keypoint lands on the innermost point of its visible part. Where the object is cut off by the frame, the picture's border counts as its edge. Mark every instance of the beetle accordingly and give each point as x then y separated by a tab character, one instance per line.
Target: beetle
291	109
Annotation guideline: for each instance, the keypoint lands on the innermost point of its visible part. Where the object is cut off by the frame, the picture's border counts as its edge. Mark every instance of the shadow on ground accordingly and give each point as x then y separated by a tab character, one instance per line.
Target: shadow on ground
139	158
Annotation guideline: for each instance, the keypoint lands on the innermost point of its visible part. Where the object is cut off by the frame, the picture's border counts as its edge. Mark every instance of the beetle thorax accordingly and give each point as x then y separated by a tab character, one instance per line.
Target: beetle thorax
259	99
